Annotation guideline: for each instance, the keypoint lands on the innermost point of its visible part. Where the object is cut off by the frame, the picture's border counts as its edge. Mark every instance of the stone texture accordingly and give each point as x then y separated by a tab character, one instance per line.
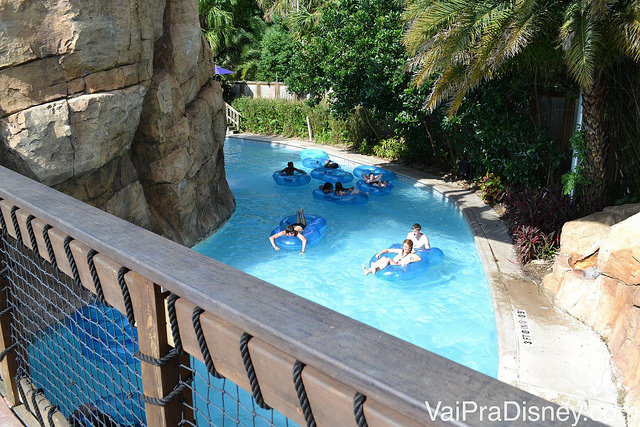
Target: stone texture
583	236
606	244
87	87
178	154
620	254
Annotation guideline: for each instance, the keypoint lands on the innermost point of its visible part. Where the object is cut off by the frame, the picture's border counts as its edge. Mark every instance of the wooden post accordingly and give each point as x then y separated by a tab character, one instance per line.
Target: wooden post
9	365
157	381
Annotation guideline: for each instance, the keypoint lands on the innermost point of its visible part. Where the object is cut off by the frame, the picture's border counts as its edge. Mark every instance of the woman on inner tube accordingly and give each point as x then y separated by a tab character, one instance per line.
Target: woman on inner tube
293	230
404	257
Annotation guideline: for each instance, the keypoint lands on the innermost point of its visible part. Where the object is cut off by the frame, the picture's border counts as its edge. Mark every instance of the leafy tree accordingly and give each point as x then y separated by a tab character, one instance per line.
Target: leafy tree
277	50
355	55
466	42
234	29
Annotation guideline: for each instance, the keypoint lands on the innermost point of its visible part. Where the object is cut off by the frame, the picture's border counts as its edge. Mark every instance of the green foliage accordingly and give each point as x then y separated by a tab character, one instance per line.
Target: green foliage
280	117
234	29
277	50
354	54
494	133
391	148
577	179
491	188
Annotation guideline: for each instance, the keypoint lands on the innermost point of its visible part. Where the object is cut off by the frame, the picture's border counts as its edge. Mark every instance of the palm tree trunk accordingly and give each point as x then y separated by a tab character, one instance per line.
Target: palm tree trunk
594	101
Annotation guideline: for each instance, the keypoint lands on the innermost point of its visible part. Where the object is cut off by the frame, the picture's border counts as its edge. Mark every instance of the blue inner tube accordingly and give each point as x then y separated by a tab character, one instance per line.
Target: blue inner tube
105	333
312	220
412	270
312	233
387	175
374	189
313	153
332	175
347	199
295	180
313	163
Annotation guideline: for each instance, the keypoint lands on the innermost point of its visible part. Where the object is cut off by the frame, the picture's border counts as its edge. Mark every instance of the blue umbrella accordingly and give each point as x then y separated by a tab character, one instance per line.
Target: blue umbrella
220	70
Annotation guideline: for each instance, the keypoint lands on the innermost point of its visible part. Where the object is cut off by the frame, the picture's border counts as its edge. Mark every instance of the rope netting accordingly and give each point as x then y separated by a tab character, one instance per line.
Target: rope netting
83	356
75	350
220	402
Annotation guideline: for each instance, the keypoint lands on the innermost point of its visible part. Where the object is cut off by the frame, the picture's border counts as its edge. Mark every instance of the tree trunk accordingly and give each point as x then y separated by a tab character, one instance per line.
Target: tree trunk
594	101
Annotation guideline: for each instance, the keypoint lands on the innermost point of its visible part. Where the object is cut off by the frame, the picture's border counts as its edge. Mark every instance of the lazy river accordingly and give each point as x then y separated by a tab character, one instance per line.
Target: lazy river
448	311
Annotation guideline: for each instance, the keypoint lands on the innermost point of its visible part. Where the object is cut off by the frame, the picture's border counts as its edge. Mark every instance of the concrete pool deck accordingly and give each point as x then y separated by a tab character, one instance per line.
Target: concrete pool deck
541	349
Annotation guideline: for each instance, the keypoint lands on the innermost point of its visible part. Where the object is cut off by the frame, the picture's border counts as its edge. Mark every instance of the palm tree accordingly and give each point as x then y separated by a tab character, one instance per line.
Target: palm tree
466	42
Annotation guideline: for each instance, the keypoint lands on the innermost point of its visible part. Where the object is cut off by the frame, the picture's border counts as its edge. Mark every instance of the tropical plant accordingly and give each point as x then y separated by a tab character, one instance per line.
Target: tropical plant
576	178
355	57
546	208
466	42
531	243
491	188
233	29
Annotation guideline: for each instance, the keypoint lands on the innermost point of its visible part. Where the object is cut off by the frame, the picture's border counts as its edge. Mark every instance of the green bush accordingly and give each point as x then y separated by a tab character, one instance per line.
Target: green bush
289	119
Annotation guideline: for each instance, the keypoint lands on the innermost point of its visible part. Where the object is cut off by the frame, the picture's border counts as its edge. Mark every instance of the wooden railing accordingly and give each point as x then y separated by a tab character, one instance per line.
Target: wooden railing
233	117
349	372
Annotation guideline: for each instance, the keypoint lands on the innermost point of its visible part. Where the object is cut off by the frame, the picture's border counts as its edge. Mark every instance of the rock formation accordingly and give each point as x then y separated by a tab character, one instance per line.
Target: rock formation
112	103
596	278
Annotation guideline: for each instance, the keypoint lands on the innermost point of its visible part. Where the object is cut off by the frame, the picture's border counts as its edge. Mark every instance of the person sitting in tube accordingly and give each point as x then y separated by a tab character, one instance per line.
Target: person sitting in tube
420	241
341	191
375	180
405	257
331	165
290	170
327	188
293	230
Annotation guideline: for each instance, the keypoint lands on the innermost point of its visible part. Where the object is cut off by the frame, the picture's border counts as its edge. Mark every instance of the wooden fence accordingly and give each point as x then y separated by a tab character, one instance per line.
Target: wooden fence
315	366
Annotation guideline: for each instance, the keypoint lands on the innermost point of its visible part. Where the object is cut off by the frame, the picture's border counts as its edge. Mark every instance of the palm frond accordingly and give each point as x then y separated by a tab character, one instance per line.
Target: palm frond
581	38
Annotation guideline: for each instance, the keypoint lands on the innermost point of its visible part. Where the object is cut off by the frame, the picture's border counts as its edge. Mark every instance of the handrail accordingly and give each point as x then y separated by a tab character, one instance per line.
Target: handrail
233	117
387	370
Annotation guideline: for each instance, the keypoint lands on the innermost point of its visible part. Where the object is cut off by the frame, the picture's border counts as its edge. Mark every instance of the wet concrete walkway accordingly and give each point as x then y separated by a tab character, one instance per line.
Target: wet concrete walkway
542	350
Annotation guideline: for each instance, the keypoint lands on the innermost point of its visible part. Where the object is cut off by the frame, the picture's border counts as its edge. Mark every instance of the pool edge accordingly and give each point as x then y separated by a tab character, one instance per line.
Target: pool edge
498	258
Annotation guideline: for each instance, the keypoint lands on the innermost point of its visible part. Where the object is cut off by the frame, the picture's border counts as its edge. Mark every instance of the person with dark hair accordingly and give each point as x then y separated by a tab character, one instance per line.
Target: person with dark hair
375	180
405	256
420	240
293	230
331	165
326	188
290	170
341	191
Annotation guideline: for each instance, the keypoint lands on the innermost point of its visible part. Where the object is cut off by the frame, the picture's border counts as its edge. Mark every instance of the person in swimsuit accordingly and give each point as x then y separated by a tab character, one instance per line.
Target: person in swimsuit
375	180
290	170
327	188
404	257
293	230
420	240
331	165
341	191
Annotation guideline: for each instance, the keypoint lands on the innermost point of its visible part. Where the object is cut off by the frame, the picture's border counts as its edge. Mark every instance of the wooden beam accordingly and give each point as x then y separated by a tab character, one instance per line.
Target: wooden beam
157	381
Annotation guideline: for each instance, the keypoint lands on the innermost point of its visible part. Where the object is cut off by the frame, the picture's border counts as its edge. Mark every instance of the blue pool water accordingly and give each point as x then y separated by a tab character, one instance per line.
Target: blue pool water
449	311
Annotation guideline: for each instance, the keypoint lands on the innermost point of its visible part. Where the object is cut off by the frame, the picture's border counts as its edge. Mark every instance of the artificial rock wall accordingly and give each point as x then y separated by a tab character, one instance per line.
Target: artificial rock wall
112	103
596	278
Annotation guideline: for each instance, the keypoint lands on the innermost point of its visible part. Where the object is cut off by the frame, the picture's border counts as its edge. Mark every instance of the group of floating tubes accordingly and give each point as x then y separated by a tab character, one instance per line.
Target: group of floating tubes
316	225
413	270
316	159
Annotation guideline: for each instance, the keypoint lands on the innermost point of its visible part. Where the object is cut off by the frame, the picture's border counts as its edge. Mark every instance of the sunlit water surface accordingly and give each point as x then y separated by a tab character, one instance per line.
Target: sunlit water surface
448	312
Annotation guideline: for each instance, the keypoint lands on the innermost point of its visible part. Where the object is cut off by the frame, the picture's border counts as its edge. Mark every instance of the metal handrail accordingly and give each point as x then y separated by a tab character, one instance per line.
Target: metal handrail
391	371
